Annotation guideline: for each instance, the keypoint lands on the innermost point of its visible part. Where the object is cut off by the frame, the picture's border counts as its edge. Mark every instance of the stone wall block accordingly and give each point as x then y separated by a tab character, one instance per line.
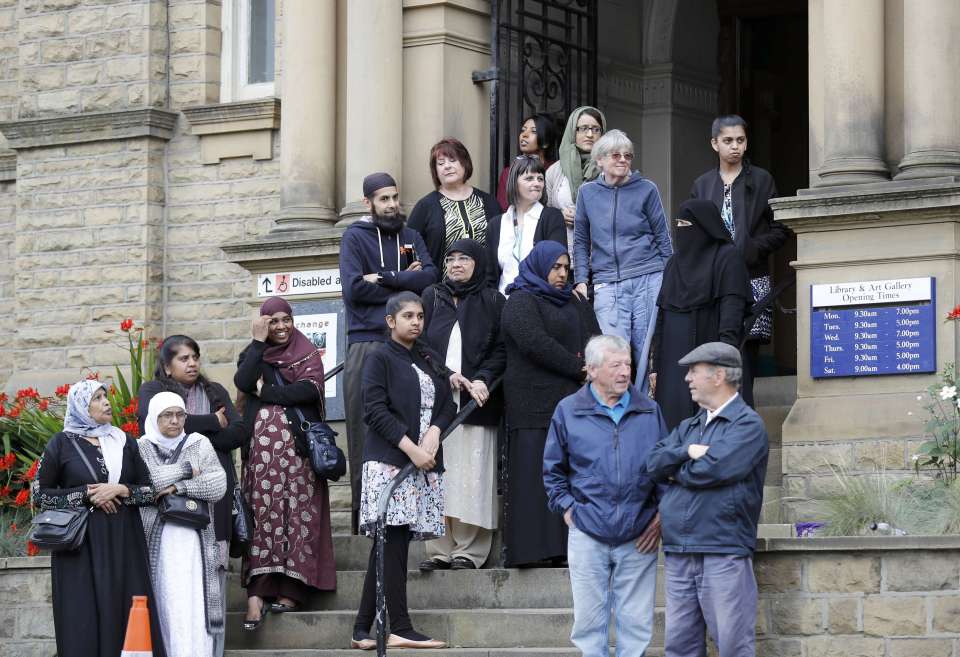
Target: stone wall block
124	16
66	101
188	312
60	219
796	615
197	291
102	46
42	27
109	215
184	16
23	587
127	69
104	99
901	616
36	623
909	571
86	21
46	78
883	455
85	74
61	50
186	41
47	337
842	574
779	648
63	241
921	648
946	614
802	459
198	330
843	615
848	646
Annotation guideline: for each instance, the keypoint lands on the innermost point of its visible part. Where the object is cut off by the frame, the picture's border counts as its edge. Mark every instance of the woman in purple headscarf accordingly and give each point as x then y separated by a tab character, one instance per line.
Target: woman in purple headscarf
546	328
292	549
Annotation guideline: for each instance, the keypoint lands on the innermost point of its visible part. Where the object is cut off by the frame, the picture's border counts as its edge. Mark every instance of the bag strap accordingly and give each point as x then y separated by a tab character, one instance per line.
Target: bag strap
86	461
281	382
173	457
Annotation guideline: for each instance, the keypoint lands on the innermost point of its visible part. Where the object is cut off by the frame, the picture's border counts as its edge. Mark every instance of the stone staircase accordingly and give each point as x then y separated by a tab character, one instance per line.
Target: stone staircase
493	612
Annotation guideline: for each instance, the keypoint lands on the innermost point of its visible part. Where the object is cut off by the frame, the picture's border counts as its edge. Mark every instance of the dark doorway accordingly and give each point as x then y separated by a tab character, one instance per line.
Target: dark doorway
763	68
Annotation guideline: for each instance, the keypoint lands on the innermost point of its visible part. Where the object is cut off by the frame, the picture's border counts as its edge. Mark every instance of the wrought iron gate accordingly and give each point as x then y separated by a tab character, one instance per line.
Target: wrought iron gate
544	59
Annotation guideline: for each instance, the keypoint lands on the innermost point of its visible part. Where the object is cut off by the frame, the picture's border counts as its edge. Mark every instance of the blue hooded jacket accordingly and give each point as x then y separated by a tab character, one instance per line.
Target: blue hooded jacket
620	232
365	250
713	503
598	467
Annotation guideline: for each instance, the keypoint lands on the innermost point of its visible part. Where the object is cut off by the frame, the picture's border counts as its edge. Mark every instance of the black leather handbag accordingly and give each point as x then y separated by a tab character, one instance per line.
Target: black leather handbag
326	459
61	530
242	525
180	509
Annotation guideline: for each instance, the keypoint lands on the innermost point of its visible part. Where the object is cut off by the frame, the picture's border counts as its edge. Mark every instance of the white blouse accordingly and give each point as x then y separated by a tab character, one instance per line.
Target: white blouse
512	232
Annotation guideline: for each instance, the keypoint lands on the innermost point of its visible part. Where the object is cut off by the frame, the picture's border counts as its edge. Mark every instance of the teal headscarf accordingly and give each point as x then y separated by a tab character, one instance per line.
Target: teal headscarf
578	166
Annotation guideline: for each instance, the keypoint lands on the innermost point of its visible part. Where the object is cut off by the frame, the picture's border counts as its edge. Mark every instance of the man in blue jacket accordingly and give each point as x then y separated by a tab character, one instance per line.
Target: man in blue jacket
715	462
595	475
379	256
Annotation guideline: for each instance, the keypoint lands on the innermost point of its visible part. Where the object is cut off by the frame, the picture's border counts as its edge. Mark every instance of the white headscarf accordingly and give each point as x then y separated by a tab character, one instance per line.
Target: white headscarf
77	420
161	402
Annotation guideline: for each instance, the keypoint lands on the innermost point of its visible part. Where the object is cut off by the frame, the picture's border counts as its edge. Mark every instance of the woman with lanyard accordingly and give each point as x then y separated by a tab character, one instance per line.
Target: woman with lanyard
575	166
93	464
511	235
185	559
462	318
704	298
546	329
281	376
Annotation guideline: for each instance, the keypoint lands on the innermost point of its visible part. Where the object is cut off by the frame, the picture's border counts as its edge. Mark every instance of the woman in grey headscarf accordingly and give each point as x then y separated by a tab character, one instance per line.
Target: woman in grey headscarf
185	561
92	463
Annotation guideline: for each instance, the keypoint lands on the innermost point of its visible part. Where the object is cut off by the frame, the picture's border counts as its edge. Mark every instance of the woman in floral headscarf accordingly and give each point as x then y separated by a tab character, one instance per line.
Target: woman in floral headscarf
92	463
280	372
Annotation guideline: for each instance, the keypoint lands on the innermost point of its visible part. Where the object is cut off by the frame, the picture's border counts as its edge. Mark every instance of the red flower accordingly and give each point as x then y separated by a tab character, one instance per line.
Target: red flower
5	491
44	404
93	376
22	498
32	549
13	526
31	473
112	390
126	325
63	390
15	411
3	411
8	461
131	428
27	393
954	314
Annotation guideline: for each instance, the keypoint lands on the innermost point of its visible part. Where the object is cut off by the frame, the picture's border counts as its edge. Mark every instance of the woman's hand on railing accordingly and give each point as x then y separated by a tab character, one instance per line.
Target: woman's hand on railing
418	455
431	440
460	382
479	392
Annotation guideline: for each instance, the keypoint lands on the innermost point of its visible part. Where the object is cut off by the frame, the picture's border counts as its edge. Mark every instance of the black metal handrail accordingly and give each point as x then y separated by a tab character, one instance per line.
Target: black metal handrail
333	372
383	502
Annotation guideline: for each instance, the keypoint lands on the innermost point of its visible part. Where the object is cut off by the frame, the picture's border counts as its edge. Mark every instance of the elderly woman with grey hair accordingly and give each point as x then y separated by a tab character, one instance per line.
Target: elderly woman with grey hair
622	243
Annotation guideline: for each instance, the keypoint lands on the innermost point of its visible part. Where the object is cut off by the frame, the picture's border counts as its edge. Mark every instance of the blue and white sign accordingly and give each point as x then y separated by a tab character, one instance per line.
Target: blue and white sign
873	327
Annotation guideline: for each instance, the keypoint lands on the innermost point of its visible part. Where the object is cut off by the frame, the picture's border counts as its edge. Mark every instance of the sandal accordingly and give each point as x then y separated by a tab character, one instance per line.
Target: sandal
251	625
280	608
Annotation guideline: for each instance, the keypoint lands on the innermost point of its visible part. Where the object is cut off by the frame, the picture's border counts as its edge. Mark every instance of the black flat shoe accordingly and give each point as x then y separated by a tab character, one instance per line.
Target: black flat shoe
250	625
462	563
280	608
429	565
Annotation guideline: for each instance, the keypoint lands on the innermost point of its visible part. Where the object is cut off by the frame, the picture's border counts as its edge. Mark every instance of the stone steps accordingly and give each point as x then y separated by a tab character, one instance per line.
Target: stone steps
652	651
461	628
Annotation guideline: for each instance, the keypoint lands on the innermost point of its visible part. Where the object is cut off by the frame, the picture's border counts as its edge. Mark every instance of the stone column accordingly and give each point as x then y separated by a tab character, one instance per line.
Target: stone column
308	115
853	92
931	94
374	96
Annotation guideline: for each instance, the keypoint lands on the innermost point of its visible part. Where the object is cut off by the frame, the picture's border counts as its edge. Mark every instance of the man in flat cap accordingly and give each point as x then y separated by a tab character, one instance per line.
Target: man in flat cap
379	256
715	463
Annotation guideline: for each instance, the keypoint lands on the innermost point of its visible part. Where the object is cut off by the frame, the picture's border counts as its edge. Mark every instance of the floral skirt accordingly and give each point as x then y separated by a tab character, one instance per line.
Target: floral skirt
417	502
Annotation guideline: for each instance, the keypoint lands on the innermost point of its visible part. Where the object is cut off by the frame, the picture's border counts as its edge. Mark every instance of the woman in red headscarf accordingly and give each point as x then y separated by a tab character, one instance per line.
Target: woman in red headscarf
292	548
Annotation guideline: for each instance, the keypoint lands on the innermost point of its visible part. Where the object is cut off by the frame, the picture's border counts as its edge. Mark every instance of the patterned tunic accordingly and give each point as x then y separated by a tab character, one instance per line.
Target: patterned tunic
463	219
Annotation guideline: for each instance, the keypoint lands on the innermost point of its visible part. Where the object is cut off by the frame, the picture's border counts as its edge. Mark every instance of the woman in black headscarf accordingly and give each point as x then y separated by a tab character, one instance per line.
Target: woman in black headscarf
545	328
703	298
462	317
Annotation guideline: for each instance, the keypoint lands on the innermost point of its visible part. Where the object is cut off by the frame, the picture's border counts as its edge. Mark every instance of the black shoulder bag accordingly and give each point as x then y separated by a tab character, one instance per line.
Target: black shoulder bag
60	530
180	509
242	516
326	459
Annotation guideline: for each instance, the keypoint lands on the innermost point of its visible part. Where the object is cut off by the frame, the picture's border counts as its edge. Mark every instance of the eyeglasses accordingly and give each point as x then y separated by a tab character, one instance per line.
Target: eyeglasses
626	157
167	417
594	129
457	260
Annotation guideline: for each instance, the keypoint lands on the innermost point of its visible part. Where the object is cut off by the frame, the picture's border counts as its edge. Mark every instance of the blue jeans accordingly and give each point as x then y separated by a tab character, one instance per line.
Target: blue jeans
608	578
716	592
628	308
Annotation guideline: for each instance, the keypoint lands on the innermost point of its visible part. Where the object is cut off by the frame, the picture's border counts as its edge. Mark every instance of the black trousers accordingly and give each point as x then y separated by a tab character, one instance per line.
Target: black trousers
356	429
750	355
395	552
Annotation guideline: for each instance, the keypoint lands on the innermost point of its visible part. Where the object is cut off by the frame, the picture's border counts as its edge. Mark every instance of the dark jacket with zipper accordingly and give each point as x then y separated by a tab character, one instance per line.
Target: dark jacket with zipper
301	394
429	219
391	400
598	468
757	235
365	250
713	503
550	226
224	441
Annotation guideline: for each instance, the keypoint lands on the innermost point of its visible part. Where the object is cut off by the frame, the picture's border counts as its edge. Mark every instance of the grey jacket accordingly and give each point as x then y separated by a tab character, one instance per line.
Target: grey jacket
210	486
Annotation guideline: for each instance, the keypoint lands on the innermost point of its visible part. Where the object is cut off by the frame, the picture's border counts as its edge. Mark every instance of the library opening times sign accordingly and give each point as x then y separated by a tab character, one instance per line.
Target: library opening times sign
873	327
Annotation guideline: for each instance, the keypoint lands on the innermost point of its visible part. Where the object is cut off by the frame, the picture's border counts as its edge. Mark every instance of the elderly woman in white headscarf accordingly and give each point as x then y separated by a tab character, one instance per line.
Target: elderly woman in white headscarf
93	464
185	559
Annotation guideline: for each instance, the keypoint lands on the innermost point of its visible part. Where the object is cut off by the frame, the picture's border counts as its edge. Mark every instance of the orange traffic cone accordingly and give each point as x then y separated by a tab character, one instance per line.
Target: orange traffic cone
137	642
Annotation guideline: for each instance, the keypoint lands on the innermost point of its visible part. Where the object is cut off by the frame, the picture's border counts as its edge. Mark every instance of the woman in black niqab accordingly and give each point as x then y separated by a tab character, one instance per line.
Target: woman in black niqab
704	298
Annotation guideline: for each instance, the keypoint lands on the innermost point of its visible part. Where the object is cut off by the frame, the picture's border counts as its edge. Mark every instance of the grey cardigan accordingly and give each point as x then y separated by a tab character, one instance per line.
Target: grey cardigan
210	485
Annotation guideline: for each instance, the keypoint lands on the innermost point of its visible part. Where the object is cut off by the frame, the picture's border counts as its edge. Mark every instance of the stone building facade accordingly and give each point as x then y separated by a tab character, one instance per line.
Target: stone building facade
142	175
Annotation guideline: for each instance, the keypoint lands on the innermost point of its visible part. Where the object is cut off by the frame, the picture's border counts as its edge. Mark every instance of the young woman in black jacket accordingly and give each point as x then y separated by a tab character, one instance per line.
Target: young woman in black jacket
407	404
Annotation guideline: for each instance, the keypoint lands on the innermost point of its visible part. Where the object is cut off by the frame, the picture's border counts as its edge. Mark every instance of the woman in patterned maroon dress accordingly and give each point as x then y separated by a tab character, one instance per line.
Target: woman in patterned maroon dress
292	548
